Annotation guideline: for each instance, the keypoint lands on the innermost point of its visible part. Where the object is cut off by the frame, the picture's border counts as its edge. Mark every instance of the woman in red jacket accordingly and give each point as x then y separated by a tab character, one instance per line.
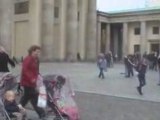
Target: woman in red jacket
30	71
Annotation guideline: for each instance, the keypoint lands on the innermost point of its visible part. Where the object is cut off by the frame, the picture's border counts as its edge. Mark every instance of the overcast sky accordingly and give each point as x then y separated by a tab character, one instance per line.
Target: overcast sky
116	5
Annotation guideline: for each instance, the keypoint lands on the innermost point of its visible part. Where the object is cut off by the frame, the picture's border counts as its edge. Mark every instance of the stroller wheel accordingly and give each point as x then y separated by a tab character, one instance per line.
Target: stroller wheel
61	118
57	118
65	117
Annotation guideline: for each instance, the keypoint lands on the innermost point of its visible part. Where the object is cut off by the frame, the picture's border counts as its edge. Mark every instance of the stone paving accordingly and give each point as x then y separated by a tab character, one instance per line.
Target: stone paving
104	99
84	78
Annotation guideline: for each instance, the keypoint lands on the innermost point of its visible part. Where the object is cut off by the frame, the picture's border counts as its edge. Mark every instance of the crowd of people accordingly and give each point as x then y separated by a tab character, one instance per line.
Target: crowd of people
140	65
134	64
30	72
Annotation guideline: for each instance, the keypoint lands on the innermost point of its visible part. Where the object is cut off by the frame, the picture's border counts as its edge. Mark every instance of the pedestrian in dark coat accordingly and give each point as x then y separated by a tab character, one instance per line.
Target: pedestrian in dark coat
129	67
141	69
5	60
158	62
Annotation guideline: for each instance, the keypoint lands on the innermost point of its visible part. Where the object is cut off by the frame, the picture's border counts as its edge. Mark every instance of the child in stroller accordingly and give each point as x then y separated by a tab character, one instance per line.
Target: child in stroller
59	97
13	109
7	84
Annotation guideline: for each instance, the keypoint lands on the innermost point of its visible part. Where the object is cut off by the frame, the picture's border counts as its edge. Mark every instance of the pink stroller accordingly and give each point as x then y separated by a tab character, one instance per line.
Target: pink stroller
60	97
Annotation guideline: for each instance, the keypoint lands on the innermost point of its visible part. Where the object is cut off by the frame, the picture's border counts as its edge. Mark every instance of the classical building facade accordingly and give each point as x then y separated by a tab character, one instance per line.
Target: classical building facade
128	32
73	29
65	29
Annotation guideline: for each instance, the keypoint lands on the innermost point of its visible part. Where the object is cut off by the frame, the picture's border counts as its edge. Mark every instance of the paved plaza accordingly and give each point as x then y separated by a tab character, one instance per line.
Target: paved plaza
104	99
84	78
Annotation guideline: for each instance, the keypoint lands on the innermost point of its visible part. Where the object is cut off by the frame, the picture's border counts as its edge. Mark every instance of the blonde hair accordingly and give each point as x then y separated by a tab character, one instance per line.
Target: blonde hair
8	94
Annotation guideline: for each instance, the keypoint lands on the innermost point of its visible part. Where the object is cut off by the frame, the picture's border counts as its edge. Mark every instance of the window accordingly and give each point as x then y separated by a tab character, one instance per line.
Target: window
155	47
137	31
155	30
136	48
56	12
21	7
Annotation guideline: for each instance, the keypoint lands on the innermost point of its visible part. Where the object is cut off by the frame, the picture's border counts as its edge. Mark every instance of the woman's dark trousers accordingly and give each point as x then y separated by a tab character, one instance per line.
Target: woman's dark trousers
31	94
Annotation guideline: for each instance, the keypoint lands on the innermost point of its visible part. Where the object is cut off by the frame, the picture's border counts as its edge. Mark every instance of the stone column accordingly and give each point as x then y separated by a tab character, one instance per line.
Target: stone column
143	42
47	30
72	30
92	24
83	23
125	39
63	29
35	8
108	37
115	41
6	24
99	36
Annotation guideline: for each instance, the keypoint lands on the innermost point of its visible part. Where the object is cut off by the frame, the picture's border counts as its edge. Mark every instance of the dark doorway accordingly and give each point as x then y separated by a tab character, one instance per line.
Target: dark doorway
116	39
103	38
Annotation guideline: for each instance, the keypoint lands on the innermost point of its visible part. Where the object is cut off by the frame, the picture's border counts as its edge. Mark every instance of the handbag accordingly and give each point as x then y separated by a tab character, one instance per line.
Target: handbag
42	97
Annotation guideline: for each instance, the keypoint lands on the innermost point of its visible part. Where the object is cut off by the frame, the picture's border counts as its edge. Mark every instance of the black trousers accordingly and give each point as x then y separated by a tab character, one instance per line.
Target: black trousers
101	74
31	95
142	81
130	72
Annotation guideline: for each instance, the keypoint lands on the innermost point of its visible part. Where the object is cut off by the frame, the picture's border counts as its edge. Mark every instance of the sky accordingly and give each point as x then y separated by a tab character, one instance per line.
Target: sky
118	5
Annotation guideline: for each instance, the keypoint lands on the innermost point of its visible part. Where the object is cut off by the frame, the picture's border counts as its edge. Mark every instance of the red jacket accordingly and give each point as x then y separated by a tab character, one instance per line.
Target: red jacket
30	71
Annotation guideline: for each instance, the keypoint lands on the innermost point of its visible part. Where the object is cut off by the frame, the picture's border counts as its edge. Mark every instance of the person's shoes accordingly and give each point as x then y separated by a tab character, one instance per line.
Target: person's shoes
158	84
139	91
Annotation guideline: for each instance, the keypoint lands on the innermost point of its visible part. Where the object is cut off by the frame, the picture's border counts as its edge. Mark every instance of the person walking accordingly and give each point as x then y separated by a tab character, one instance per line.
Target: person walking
5	60
141	69
158	62
129	67
102	65
29	75
125	65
